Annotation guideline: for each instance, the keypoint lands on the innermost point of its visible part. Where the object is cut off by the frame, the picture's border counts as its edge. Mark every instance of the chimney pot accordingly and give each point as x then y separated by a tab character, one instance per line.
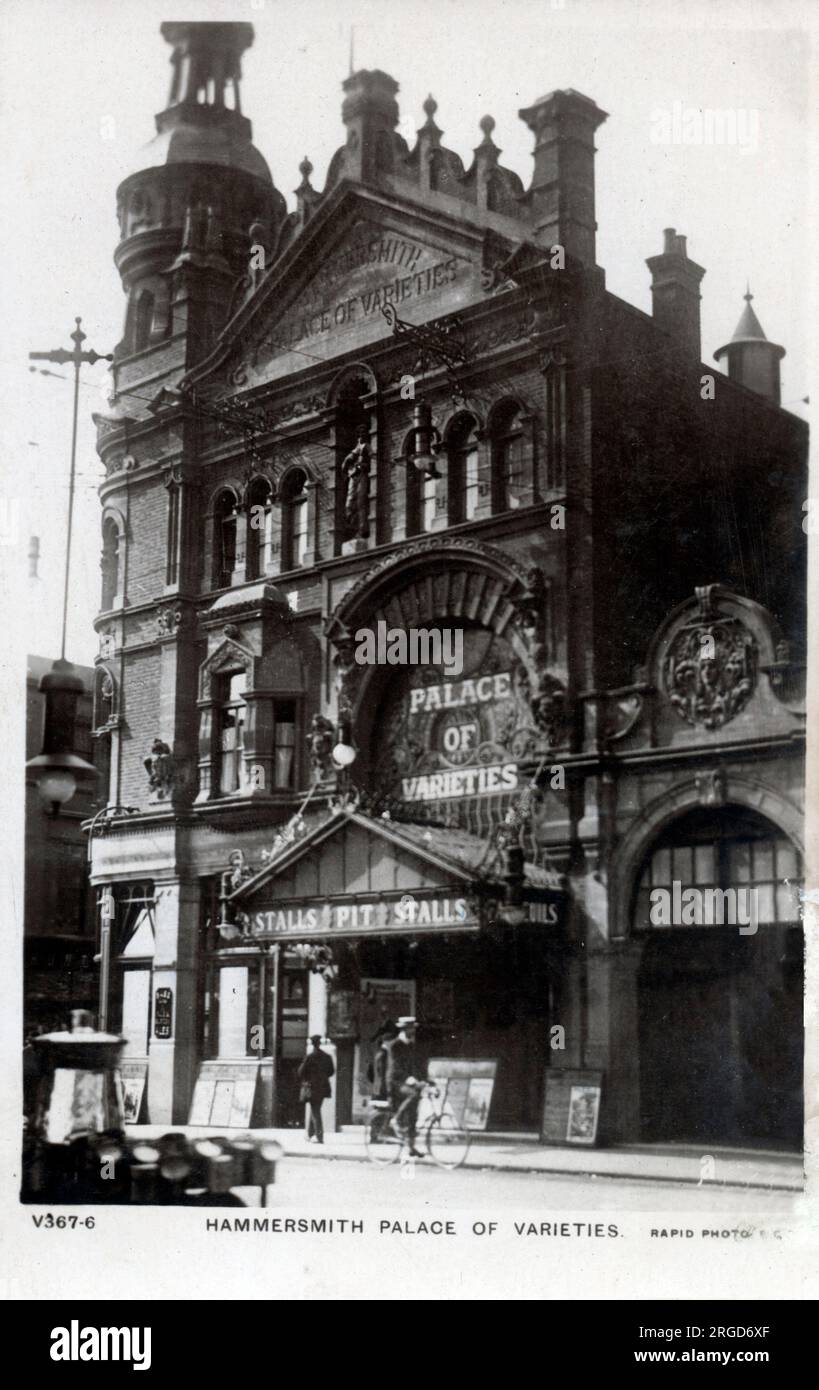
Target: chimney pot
675	292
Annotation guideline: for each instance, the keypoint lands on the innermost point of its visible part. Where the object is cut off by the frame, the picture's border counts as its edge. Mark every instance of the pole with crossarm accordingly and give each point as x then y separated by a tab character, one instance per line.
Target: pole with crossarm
78	357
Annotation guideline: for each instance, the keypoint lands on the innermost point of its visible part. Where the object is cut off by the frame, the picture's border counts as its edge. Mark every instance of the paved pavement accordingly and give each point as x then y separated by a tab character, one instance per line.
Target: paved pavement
674	1164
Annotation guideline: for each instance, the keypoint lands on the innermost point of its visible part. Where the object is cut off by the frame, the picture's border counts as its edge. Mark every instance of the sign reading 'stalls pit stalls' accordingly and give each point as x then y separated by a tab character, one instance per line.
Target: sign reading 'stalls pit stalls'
406	913
443	739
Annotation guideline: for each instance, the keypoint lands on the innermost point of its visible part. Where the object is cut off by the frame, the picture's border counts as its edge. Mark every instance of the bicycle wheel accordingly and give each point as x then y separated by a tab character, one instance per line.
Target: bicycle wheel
383	1147
447	1141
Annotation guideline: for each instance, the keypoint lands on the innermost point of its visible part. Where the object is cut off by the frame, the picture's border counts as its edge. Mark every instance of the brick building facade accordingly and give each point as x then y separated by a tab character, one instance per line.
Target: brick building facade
412	402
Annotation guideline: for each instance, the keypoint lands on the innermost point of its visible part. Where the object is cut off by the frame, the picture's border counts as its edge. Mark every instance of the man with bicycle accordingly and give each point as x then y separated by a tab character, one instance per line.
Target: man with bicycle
403	1087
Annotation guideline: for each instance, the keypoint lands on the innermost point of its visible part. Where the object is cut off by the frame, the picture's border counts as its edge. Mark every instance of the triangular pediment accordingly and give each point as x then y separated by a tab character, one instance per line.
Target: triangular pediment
325	295
350	853
352	875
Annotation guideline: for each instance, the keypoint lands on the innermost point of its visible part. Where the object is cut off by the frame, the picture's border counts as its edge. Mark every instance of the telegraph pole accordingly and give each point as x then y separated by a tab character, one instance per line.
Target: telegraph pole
77	356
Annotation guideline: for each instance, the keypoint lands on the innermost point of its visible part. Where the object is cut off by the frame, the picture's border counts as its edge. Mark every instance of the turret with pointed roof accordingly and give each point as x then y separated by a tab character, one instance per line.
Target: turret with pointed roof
752	360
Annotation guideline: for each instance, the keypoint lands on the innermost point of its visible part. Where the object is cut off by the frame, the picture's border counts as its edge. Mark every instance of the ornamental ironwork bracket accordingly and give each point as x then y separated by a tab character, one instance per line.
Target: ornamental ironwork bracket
438	343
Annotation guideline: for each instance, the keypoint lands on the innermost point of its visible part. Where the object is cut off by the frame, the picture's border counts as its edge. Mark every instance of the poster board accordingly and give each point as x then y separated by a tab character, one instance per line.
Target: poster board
133	1076
224	1094
469	1087
342	1014
571	1106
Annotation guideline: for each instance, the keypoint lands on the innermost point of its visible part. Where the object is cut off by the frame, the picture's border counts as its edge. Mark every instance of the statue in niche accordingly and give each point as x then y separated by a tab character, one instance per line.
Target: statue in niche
356	471
160	769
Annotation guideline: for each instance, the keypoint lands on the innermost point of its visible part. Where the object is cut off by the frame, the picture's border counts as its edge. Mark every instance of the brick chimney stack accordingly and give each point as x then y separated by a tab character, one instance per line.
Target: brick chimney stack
675	292
561	194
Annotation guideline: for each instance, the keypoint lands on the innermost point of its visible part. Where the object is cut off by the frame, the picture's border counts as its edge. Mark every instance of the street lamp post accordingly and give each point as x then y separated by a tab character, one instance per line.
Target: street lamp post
58	768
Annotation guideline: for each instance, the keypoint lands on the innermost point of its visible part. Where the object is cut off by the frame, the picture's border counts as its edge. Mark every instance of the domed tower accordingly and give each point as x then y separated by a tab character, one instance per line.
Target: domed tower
186	209
752	360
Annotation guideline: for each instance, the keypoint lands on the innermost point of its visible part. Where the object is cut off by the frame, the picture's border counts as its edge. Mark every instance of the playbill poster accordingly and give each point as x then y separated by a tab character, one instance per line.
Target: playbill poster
409	831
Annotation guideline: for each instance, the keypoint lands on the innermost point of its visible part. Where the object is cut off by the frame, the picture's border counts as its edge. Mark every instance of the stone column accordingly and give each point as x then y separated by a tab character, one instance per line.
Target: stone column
317	1009
233	999
171	1073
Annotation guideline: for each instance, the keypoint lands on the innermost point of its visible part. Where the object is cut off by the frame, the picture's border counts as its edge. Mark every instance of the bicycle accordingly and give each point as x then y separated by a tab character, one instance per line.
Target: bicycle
446	1141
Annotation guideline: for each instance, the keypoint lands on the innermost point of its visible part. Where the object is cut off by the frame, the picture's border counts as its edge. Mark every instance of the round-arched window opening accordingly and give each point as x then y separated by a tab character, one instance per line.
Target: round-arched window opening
259	522
224	537
462	470
507	459
723	867
110	563
294	519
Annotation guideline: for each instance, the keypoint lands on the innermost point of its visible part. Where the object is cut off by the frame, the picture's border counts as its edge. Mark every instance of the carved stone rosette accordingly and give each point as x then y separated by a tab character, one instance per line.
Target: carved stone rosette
710	669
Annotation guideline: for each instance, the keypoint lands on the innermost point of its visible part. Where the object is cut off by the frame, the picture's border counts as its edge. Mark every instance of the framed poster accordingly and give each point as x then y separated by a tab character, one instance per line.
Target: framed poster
224	1094
133	1076
457	1088
478	1101
342	1014
469	1083
571	1106
584	1112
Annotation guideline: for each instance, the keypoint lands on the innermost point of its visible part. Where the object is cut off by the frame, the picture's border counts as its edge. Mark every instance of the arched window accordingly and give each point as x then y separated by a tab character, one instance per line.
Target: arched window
172	536
709	856
110	562
224	538
507	459
462	469
294	519
259	516
143	320
421	494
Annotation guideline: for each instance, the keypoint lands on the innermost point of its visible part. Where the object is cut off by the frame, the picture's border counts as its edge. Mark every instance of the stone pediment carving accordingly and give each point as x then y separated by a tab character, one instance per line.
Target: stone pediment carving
339	306
325	294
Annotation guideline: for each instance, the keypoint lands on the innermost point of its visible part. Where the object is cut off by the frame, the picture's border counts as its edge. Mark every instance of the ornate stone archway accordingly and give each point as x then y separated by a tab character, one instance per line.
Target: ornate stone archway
430	582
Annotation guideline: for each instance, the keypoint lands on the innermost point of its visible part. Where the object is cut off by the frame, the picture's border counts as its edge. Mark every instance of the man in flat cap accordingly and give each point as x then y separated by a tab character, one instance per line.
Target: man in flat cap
314	1075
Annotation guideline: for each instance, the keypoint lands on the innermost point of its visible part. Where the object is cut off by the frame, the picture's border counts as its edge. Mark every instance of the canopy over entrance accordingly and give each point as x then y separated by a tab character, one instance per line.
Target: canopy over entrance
353	875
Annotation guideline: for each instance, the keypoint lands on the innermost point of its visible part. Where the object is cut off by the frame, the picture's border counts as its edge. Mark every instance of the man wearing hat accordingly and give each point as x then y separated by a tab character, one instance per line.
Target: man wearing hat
402	1082
314	1075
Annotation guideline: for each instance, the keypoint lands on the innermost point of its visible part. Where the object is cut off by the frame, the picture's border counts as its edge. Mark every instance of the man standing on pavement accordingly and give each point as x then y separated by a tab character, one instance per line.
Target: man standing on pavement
314	1075
402	1083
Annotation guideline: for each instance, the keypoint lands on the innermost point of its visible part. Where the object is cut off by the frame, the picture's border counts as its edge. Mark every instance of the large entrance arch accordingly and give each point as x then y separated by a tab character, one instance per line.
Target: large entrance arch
716	910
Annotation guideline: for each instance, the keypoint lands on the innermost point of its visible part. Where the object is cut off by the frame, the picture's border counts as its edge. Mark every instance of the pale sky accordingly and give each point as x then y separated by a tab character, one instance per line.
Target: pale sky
68	66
